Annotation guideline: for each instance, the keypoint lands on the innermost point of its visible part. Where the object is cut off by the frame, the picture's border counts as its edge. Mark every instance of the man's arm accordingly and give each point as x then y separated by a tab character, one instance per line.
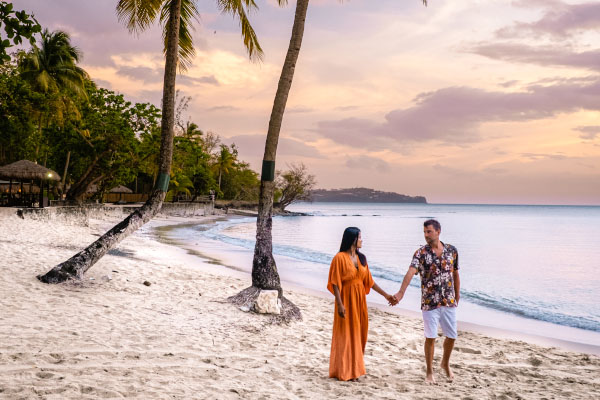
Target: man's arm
456	277
405	282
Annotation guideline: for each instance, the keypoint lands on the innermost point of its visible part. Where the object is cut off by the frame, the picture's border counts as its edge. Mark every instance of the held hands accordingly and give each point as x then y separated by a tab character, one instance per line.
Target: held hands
398	296
392	301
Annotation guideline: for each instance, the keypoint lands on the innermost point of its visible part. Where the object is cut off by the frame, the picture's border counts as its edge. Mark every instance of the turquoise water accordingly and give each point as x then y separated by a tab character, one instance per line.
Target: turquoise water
540	263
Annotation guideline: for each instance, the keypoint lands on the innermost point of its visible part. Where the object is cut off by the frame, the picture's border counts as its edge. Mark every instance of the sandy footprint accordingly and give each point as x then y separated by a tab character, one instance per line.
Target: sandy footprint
44	375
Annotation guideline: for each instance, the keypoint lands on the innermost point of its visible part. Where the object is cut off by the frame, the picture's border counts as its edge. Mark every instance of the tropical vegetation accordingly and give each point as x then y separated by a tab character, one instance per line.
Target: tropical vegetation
110	141
113	141
18	25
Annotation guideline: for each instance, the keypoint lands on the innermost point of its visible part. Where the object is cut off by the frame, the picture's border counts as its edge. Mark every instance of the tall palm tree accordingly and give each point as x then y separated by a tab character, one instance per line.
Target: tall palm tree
51	69
264	268
176	16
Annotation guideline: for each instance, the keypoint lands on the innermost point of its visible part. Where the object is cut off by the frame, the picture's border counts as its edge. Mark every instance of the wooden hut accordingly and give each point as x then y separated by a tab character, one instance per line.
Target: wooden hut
120	190
23	172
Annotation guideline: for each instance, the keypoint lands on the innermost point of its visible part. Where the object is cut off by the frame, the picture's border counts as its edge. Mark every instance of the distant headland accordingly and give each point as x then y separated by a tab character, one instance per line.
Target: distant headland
363	195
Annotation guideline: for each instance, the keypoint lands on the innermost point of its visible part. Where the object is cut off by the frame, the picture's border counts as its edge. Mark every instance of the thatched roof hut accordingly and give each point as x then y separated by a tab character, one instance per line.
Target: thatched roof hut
27	170
120	189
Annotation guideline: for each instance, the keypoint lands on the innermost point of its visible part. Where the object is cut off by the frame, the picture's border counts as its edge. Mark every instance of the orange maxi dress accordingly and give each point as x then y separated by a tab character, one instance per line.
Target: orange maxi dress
350	333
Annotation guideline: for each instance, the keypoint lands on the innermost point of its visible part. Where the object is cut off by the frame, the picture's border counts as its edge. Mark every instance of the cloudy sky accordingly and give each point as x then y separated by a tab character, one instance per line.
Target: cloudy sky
471	101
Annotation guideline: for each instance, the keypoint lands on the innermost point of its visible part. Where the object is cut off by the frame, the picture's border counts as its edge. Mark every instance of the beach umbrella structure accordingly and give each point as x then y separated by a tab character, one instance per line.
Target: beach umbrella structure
120	189
26	170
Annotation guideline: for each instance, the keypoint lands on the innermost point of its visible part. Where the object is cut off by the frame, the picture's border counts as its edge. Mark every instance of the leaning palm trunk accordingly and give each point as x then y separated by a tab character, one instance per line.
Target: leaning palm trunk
77	265
264	269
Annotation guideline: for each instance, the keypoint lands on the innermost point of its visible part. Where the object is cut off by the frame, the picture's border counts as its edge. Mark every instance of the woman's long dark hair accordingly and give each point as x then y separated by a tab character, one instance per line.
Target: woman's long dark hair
349	238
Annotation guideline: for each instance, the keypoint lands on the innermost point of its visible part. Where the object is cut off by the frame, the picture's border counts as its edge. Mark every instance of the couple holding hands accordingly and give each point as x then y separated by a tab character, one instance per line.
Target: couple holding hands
350	281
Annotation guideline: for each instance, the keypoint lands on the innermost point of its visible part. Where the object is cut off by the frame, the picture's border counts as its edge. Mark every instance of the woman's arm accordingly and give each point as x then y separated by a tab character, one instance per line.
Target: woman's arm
338	301
391	299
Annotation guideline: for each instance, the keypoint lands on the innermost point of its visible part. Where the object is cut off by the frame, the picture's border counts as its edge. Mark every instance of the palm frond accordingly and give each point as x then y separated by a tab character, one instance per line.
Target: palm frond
138	15
237	8
189	13
58	45
45	81
52	67
73	78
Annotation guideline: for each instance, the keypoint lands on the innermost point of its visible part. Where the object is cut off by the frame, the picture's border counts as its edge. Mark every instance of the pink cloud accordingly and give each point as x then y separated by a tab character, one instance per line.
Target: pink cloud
562	20
589	132
454	114
545	56
96	30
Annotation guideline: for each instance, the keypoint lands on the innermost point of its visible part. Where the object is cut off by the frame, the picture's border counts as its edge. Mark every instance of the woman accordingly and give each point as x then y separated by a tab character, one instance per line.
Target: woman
350	281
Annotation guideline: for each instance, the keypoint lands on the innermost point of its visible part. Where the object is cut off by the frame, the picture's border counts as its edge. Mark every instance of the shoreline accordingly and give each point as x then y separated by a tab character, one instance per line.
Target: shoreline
112	336
463	326
473	327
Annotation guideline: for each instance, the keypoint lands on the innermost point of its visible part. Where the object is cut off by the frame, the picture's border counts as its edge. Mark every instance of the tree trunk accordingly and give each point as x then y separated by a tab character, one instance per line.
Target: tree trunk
37	146
64	177
79	188
77	265
264	269
79	192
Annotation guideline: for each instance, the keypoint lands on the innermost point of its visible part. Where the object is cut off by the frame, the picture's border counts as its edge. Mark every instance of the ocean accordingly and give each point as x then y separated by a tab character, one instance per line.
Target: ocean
531	269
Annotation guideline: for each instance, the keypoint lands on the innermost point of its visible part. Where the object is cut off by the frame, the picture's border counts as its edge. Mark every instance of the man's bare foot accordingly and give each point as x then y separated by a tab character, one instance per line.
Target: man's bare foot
449	373
430	380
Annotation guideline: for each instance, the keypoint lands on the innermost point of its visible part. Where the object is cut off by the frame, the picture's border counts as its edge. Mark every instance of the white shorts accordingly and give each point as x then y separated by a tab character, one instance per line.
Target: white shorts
445	316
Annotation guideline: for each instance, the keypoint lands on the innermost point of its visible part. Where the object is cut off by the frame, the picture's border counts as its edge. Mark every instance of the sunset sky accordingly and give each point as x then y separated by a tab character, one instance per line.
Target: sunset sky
482	101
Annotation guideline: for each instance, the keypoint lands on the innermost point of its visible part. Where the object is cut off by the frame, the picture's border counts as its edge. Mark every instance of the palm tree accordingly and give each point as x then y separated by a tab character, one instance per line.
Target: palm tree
193	131
225	161
176	16
264	269
52	66
51	69
77	265
179	184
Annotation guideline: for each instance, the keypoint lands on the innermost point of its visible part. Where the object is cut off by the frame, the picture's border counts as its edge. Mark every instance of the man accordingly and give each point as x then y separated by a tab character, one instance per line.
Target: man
437	265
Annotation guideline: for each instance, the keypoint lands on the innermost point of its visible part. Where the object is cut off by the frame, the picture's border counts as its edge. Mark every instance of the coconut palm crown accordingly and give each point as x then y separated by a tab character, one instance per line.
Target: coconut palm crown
52	66
138	15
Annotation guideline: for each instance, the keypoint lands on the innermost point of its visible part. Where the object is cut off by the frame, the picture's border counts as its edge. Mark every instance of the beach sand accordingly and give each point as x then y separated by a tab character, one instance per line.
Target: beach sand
111	336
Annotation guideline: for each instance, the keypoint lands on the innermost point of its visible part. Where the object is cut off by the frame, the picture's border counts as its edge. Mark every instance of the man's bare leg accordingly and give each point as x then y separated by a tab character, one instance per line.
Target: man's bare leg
429	349
448	346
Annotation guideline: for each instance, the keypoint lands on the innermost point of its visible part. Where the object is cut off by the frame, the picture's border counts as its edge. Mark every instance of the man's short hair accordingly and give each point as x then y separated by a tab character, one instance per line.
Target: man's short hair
436	225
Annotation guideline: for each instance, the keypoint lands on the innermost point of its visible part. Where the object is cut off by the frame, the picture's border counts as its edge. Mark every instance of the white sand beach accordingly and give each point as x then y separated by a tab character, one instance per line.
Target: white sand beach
111	336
